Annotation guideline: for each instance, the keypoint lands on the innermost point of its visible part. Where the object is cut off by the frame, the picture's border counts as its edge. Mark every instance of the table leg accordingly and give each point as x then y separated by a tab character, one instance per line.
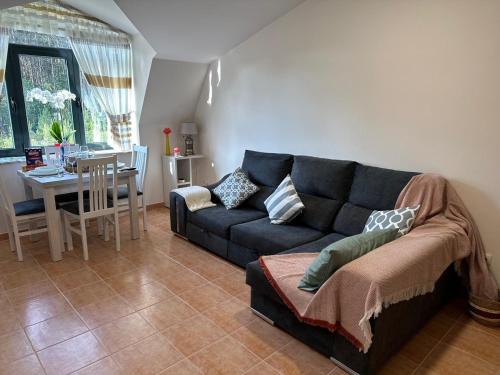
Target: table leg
53	224
28	191
133	210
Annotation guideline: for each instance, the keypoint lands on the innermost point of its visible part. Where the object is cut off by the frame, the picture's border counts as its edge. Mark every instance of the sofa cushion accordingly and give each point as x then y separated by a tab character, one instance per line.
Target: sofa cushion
377	188
218	220
284	204
266	168
235	189
257	200
351	219
267	238
323	177
339	253
316	246
318	212
401	219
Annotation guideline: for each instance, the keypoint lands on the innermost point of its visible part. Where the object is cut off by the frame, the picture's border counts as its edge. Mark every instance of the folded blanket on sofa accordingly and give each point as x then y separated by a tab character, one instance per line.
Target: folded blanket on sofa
444	232
196	197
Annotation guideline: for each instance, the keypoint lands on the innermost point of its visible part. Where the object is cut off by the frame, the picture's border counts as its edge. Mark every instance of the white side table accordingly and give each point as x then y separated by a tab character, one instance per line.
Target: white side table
177	173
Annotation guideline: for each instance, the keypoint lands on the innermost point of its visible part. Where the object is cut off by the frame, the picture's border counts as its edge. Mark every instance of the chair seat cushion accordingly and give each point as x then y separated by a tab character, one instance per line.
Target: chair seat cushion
122	192
266	238
70	197
29	207
219	220
73	206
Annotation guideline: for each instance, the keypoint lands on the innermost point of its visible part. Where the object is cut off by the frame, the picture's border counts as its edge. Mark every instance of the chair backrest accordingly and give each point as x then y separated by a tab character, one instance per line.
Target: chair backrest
140	162
97	170
5	200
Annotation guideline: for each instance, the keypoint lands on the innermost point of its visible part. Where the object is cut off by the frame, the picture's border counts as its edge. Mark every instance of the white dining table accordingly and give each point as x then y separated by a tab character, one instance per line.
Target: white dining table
50	186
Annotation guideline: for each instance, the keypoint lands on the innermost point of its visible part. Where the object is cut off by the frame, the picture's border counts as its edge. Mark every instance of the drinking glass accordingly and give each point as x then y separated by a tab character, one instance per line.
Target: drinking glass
84	152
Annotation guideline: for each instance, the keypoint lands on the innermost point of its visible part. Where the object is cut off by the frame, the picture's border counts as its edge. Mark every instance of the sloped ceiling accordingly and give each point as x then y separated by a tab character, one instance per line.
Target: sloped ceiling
201	30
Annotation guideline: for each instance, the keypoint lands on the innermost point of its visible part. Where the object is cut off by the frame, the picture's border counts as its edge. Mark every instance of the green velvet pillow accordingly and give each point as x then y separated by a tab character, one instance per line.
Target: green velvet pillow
334	256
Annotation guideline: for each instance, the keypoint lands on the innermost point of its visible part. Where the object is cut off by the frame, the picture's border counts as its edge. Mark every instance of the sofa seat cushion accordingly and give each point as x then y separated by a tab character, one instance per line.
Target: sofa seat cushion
316	246
219	220
267	238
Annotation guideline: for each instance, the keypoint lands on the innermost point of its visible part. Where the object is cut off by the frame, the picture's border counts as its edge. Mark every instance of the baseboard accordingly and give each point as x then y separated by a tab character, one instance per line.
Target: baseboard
156	205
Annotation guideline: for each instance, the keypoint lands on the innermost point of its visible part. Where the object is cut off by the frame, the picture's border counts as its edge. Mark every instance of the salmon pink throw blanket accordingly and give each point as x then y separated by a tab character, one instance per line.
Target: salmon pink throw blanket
444	232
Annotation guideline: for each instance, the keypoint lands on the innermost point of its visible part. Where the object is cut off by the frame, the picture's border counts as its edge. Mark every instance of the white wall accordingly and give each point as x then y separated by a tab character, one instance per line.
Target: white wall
411	85
171	96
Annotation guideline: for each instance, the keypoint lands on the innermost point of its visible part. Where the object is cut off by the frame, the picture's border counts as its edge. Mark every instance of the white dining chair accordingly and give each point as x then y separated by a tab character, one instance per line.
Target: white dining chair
23	218
139	161
97	205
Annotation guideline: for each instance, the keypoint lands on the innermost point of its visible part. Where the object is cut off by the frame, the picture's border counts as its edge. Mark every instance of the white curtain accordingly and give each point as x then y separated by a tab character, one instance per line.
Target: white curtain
4	47
107	68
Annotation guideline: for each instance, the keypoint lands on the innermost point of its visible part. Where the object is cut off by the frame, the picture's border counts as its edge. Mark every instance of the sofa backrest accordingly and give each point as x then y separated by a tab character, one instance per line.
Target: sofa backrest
323	186
265	168
372	189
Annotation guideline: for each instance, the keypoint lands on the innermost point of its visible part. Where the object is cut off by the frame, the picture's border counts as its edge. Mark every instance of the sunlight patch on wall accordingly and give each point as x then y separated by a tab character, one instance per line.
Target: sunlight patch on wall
219	76
210	89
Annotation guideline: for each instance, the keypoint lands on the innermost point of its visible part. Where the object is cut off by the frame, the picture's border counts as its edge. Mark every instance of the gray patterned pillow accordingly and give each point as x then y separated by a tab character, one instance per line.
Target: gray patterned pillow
235	189
400	218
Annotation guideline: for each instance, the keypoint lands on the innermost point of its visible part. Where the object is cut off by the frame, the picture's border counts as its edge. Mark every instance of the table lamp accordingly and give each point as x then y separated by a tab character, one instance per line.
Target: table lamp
188	129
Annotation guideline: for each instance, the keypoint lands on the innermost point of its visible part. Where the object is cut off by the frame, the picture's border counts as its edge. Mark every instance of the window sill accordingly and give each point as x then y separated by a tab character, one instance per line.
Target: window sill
21	159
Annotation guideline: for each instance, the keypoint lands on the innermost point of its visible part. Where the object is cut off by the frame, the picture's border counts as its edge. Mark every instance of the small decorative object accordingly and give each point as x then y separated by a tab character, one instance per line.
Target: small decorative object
188	129
177	152
34	158
167	132
486	312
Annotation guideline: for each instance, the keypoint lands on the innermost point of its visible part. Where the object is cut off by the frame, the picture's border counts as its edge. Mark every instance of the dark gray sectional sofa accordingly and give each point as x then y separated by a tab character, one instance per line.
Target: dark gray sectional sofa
338	196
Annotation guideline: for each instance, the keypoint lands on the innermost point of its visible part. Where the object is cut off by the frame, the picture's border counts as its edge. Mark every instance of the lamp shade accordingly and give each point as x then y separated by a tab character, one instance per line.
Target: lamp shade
189	128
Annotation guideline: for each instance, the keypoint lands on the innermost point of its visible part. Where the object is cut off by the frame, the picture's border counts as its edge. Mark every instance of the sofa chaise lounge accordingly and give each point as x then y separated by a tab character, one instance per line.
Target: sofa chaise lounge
338	196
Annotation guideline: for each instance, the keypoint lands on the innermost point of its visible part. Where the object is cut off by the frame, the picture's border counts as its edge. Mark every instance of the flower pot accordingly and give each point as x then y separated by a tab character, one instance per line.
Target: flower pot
485	311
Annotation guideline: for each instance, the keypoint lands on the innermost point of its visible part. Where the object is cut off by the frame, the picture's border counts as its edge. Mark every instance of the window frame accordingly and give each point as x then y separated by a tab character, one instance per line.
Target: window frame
15	94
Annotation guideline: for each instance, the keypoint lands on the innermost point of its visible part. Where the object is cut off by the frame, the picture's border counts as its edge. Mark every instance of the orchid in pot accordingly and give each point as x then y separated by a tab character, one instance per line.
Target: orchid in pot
57	100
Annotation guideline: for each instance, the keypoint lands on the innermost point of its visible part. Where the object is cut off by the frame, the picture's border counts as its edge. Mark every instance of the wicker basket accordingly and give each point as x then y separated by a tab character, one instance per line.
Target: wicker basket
485	311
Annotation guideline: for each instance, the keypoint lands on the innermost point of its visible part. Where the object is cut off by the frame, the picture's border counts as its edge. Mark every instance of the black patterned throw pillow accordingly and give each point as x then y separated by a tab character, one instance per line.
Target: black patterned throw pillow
235	189
400	218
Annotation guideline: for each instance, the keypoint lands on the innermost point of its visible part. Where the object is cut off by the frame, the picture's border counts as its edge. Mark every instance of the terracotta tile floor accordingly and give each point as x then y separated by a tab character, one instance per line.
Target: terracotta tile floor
163	305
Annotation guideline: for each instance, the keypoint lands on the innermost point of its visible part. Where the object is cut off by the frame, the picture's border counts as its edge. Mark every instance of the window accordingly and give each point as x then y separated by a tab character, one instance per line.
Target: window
24	122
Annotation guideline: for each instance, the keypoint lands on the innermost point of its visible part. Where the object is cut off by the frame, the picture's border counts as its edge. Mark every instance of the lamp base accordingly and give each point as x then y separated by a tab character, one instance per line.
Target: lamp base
189	146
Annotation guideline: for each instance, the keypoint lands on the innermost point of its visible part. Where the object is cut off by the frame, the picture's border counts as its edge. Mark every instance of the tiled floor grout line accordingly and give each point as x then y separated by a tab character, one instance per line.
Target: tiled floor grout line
419	365
110	354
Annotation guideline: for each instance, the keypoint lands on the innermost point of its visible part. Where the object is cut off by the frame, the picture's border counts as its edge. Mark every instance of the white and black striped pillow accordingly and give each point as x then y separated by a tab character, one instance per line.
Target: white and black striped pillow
284	204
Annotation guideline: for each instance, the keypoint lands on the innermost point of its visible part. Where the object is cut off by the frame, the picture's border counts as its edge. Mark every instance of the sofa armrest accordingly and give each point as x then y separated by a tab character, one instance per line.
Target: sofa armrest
178	208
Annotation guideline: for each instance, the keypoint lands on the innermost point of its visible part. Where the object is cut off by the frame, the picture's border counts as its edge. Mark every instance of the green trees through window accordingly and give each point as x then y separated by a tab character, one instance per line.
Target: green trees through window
25	123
